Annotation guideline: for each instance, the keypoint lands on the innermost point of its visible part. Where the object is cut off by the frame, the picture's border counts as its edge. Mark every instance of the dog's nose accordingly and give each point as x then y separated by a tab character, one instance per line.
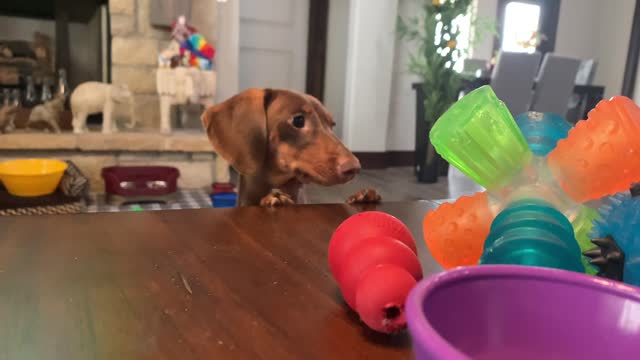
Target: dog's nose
348	167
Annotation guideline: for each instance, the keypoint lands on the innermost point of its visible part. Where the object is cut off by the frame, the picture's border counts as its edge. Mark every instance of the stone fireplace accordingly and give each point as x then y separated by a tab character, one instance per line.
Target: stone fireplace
135	43
136	33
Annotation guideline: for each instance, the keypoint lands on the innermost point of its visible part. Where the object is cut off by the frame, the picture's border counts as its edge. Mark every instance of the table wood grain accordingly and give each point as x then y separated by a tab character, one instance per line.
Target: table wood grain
245	283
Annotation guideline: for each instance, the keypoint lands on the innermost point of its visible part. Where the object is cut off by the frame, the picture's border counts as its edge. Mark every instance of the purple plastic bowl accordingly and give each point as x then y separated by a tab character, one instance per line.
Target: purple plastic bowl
523	312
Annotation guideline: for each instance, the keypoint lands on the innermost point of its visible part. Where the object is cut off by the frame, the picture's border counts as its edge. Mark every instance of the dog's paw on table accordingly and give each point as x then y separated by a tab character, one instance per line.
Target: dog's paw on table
276	198
365	196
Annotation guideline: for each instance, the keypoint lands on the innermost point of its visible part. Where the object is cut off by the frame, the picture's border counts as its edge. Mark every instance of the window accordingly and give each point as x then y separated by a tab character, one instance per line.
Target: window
520	31
463	24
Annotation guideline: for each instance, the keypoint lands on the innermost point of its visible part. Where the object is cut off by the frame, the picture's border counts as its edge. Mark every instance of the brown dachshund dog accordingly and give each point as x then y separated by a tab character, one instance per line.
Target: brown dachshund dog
278	140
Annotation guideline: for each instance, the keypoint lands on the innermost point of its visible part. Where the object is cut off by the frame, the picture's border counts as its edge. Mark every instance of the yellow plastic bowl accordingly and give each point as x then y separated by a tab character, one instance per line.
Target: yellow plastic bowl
32	177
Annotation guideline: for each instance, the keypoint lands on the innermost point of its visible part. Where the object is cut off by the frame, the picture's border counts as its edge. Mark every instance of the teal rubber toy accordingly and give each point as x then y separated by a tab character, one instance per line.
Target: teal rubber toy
532	232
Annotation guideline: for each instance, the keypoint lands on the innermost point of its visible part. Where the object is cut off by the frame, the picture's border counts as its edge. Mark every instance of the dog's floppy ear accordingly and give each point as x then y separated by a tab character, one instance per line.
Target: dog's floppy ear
237	129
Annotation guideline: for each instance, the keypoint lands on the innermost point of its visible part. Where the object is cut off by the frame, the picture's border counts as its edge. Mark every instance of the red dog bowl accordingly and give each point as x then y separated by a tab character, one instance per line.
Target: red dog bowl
136	181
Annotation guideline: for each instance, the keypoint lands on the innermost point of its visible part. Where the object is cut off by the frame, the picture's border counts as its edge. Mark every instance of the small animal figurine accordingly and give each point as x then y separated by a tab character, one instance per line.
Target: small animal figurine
170	57
49	113
7	117
182	85
94	97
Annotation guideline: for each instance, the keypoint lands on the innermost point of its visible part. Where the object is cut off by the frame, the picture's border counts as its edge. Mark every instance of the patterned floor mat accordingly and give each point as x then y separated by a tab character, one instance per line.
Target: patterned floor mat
185	199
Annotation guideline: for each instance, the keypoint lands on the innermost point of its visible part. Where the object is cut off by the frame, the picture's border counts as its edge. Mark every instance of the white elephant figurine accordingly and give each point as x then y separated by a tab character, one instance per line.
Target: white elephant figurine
94	97
182	85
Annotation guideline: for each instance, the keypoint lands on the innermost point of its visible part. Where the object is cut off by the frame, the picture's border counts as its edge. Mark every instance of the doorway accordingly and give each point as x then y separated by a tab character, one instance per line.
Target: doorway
273	44
522	21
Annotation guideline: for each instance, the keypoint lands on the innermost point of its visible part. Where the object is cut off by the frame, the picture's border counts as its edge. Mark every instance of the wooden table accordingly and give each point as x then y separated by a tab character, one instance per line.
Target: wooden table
244	283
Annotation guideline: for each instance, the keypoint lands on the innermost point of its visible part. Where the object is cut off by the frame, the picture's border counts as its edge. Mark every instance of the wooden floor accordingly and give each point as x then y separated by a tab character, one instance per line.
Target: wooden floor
394	184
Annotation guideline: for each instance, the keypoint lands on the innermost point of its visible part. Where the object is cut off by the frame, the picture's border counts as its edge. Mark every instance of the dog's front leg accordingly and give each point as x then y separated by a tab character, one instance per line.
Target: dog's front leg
365	196
286	194
277	198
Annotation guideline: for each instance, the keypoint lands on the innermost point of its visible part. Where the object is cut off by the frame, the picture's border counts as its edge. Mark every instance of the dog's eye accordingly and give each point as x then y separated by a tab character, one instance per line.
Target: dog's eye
298	121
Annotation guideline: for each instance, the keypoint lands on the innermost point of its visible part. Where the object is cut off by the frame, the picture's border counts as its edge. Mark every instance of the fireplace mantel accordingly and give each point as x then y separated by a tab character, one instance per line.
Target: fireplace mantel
179	141
188	151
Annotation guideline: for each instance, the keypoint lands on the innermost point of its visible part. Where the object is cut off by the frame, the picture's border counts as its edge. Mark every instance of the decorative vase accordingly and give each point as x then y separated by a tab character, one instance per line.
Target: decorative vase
428	169
428	164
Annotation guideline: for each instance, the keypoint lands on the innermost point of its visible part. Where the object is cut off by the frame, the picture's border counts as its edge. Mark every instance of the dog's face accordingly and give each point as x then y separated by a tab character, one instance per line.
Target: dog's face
279	134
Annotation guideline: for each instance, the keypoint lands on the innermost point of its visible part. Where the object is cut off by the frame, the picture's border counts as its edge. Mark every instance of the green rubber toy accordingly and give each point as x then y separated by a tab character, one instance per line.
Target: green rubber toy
479	136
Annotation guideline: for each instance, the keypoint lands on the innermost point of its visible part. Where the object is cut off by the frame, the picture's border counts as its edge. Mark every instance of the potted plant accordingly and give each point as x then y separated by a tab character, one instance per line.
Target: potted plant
435	31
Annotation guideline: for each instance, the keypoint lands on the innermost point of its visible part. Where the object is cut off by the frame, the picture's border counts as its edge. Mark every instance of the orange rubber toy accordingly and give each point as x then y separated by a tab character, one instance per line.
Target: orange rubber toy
601	155
455	232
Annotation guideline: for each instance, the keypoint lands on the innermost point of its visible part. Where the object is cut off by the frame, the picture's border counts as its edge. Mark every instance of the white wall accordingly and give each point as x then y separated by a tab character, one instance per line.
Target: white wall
484	9
227	49
401	124
612	43
402	108
336	66
578	28
599	30
369	68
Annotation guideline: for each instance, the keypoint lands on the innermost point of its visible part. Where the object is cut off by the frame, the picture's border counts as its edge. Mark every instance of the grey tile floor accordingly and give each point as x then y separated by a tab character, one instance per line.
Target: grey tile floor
395	184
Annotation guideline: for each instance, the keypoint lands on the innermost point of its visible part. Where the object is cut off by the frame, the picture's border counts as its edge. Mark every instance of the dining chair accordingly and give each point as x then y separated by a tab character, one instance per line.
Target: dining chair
586	74
555	84
512	79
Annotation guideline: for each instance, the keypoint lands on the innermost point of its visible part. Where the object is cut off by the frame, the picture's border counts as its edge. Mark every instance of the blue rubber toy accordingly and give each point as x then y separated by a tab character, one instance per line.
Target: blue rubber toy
620	220
542	130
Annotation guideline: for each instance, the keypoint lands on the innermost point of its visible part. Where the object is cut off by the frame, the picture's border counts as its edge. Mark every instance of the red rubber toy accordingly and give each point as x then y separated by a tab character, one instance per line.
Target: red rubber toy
372	256
368	253
362	225
382	293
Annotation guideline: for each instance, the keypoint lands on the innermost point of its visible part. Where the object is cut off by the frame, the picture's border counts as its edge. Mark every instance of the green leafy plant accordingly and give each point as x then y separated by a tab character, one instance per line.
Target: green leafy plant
436	31
436	34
